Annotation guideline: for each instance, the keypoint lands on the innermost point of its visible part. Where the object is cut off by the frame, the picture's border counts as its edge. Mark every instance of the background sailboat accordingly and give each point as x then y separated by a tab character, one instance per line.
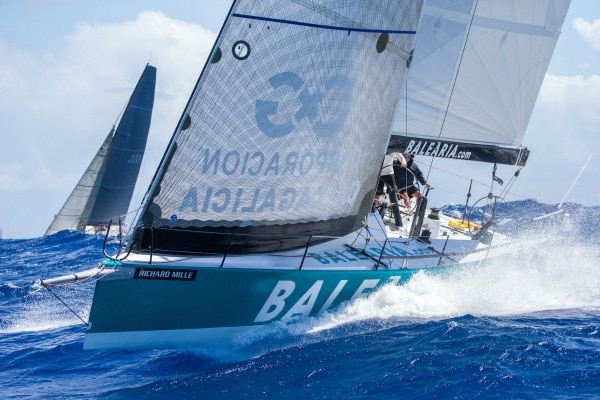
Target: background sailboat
106	187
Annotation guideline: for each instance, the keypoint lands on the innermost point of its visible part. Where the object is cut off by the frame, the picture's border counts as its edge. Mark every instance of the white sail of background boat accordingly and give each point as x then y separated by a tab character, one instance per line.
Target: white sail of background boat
260	210
105	189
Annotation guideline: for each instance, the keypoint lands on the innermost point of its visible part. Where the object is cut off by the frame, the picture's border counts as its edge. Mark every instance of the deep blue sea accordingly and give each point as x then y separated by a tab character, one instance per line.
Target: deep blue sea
524	327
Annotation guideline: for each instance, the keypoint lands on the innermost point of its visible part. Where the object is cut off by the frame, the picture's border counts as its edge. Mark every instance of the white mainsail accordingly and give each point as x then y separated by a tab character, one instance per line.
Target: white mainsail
477	69
287	124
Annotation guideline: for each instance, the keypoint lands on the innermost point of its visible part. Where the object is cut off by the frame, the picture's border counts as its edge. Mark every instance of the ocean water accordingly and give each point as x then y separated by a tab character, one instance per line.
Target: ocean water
524	327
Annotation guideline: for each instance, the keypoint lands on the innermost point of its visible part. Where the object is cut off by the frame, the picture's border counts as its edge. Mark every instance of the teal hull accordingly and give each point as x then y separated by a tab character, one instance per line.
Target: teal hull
138	307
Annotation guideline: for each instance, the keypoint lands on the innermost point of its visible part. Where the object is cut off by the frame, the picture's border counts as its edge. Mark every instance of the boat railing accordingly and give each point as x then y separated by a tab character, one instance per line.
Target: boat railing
227	238
225	244
122	243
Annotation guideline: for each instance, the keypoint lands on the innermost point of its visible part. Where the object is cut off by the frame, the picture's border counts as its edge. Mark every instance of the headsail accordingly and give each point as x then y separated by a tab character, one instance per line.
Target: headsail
476	74
105	189
75	213
286	128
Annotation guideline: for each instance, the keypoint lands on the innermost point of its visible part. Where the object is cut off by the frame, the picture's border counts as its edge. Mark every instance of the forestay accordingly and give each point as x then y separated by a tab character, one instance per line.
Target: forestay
477	70
285	130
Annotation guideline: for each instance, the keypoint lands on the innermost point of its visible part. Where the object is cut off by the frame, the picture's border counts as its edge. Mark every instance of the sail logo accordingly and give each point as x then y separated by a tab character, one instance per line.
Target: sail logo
306	305
134	158
436	149
324	107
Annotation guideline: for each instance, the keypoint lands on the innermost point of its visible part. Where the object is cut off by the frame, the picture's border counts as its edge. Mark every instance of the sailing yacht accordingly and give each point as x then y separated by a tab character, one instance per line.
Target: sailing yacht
105	189
261	209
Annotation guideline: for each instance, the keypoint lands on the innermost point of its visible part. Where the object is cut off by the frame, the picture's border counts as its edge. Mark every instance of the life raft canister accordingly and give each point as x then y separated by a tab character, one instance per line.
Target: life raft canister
462	225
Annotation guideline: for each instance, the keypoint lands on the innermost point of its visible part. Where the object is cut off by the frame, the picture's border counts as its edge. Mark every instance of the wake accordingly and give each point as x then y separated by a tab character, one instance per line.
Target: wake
557	276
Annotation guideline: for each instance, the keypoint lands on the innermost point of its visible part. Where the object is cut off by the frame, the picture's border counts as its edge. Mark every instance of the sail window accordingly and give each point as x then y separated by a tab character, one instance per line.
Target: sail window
241	50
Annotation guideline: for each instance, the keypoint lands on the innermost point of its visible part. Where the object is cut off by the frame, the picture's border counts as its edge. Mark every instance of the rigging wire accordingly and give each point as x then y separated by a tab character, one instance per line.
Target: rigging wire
510	183
66	305
575	181
476	181
75	282
462	54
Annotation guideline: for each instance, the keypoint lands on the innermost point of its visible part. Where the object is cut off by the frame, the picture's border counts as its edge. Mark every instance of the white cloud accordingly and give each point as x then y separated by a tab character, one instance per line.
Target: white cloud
577	95
57	105
561	136
589	31
9	174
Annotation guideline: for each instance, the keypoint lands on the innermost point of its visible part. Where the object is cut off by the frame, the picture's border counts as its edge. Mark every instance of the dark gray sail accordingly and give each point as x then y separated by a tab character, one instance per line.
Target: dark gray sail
284	132
106	187
126	153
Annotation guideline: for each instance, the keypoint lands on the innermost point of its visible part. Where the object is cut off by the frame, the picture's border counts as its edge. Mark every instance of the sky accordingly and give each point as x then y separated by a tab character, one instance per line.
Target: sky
68	68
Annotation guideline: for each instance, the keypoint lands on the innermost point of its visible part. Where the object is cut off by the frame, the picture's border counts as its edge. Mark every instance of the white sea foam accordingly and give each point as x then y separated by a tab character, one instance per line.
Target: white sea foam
27	324
42	312
555	277
558	276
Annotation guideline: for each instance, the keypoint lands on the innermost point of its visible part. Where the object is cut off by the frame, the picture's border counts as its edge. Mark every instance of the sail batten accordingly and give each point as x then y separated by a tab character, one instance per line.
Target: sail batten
275	137
477	70
338	28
